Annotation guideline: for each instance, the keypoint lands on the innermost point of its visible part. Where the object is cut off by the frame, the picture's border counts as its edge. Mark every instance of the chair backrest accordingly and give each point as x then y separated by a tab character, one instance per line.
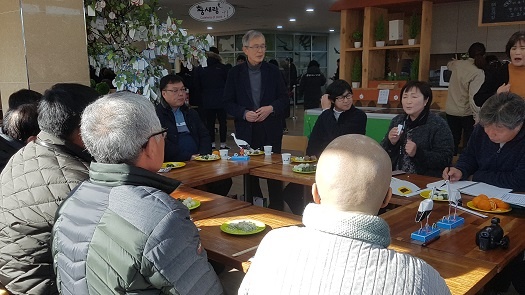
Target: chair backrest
295	143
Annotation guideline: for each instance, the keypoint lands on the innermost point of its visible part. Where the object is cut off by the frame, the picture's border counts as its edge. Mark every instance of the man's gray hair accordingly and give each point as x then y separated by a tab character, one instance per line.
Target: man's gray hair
505	109
249	36
116	127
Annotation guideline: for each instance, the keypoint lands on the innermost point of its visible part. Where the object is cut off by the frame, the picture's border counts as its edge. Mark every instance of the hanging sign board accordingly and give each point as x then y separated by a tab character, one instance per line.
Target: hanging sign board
501	12
212	11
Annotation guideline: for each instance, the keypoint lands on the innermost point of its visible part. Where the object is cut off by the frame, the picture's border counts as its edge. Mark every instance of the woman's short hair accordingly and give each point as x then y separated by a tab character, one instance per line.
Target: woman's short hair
249	36
23	96
21	122
423	87
337	88
313	63
515	38
505	109
116	127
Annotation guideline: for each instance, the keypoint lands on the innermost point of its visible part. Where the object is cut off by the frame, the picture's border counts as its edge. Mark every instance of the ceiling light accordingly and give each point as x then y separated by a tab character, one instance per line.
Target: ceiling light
292	19
279	27
209	28
309	10
331	30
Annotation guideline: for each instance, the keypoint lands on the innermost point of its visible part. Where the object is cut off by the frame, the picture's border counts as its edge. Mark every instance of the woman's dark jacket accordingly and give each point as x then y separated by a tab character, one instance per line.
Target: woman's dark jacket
327	128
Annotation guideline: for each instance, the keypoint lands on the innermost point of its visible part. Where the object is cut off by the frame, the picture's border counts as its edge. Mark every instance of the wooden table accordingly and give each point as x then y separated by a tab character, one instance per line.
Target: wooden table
461	241
463	275
283	172
211	204
220	246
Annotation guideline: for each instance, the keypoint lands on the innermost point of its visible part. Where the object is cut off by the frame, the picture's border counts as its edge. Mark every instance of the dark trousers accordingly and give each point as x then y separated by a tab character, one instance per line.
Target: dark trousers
220	114
294	195
459	125
275	187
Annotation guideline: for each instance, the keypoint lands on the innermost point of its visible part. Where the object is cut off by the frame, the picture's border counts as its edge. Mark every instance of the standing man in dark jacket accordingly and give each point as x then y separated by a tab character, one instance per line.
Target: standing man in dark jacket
186	136
310	86
255	95
209	86
34	183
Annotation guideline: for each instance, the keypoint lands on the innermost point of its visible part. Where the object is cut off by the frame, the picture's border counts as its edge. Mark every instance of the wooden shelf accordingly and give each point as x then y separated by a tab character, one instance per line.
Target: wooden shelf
415	47
375	59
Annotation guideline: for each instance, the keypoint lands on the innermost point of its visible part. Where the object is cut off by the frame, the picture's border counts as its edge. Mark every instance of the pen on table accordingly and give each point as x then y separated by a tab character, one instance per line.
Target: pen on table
244	251
430	241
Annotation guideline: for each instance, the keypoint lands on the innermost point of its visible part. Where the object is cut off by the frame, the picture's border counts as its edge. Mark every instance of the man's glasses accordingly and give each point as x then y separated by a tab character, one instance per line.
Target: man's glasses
348	96
257	47
175	91
163	132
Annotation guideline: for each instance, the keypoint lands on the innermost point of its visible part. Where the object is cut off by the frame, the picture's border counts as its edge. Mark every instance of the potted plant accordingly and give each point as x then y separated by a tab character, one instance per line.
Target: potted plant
414	69
380	32
357	73
413	29
358	37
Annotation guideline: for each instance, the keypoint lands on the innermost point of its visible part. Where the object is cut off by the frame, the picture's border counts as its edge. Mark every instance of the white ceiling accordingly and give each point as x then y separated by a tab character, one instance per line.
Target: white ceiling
263	15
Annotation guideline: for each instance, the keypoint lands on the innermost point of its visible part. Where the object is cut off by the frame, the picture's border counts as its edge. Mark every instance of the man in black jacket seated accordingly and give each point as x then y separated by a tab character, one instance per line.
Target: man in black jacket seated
186	136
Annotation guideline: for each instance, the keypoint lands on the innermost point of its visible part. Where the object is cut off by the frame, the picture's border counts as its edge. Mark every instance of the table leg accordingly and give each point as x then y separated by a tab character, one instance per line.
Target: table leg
248	196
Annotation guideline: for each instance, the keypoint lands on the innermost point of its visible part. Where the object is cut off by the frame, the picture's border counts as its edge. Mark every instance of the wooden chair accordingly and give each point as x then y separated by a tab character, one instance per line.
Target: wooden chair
295	143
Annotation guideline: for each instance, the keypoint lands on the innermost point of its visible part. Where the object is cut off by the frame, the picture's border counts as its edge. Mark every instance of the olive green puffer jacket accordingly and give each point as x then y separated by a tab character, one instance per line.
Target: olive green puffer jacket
33	184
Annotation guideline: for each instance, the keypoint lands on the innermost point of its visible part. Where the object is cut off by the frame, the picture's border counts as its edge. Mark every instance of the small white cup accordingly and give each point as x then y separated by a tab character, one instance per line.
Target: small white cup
286	158
267	150
224	154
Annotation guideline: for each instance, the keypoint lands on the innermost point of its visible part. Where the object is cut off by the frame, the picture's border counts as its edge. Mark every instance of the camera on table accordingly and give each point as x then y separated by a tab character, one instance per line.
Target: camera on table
491	237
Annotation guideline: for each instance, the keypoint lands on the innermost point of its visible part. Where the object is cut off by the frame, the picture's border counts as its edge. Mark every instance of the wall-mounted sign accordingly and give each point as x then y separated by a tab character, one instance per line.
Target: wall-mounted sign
212	11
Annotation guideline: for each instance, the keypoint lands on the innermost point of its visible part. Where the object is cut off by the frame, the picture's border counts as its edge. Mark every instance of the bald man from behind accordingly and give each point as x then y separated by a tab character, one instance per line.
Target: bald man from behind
343	247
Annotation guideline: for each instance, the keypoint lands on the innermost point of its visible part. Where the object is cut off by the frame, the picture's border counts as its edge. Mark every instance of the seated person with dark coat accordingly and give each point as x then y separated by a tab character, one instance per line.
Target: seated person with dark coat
495	153
24	121
339	117
424	145
187	136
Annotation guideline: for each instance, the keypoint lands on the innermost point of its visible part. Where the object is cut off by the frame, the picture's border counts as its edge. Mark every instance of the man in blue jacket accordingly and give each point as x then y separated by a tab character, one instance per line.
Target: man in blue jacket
186	135
255	95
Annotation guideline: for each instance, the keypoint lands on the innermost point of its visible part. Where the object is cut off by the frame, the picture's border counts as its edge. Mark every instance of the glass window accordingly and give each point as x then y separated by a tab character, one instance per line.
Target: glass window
270	42
226	43
320	57
238	42
319	43
284	43
229	58
303	43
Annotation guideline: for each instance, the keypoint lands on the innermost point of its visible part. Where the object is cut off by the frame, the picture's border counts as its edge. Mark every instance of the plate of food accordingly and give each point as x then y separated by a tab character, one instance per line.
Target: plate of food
252	152
490	205
243	227
207	158
305	159
305	168
167	166
190	203
439	195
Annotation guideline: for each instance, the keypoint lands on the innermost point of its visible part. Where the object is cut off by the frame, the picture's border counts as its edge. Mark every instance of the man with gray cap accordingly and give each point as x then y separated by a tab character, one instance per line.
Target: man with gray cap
120	231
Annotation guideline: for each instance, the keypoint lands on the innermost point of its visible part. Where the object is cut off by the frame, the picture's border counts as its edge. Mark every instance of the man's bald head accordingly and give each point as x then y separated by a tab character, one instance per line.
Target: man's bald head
353	174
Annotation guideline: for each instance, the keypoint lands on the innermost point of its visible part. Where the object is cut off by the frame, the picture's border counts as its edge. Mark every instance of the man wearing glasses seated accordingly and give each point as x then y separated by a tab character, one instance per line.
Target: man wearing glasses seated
120	231
342	249
187	135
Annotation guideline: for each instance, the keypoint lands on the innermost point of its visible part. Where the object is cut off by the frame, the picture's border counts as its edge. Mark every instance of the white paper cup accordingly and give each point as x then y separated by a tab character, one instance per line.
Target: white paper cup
267	150
286	158
224	154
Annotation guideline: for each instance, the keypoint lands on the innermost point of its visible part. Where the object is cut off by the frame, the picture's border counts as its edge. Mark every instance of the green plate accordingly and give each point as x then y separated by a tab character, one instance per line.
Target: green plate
225	228
256	153
173	165
303	172
197	203
201	158
298	160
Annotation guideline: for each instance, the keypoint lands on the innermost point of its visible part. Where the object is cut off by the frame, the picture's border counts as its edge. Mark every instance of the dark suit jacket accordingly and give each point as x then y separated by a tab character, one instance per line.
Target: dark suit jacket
238	100
198	132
